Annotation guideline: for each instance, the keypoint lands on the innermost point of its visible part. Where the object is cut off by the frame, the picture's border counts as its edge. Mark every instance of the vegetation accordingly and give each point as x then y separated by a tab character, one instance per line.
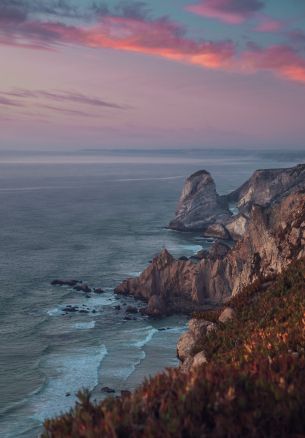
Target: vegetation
252	386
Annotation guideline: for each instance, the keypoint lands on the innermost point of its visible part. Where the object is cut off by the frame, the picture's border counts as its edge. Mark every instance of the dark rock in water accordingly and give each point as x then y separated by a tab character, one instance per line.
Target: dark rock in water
131	309
108	390
82	288
93	311
70	309
117	307
98	290
125	393
183	258
84	311
127	318
60	282
68	394
199	204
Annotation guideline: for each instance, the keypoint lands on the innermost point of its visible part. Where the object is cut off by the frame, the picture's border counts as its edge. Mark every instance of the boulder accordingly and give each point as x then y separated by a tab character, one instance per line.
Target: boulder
199	327
185	345
219	249
226	315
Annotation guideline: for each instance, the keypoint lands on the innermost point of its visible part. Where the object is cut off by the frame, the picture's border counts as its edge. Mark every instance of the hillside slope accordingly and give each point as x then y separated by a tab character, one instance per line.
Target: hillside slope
252	385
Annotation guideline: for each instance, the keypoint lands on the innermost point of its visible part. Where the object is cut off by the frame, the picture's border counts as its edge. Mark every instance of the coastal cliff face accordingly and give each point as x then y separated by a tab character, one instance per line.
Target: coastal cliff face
201	208
265	186
275	236
199	204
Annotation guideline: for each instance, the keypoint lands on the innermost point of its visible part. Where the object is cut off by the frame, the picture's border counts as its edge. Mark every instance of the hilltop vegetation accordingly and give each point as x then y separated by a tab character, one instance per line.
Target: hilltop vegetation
252	386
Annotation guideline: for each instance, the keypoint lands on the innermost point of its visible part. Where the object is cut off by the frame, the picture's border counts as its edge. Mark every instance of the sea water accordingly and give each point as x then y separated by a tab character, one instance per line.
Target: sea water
98	216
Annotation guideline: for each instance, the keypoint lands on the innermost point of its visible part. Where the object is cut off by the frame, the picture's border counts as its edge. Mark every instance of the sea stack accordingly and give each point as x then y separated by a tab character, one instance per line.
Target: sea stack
199	204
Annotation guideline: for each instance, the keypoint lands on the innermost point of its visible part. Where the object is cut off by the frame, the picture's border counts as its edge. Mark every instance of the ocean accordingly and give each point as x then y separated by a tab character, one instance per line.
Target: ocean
97	216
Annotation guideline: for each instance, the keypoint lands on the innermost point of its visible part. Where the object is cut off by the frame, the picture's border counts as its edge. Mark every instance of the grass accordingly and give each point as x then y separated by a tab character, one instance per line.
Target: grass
252	386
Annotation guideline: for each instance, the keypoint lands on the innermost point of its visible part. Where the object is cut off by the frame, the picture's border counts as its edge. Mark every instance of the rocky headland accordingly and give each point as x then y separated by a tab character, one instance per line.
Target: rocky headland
268	233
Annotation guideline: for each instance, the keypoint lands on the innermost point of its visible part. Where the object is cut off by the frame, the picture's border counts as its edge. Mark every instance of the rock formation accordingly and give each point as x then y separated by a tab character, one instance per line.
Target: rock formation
201	208
274	236
199	204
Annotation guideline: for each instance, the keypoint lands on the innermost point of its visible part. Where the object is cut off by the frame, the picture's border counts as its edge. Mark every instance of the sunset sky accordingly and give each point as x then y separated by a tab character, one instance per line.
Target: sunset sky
155	74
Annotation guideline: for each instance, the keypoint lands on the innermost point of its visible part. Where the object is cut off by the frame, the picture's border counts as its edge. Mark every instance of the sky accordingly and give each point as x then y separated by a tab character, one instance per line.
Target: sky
83	74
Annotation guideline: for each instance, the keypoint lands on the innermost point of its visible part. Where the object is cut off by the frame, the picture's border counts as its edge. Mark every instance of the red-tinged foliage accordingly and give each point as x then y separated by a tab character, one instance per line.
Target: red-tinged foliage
252	386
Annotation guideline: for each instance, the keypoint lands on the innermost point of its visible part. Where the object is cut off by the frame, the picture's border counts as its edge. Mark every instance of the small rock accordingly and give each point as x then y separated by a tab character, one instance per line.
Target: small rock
84	311
68	394
82	288
131	309
59	282
226	315
98	290
199	327
108	390
117	307
183	258
125	393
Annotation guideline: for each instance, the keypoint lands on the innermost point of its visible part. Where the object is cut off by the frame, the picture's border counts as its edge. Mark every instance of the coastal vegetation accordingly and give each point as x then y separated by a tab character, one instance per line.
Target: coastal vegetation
251	386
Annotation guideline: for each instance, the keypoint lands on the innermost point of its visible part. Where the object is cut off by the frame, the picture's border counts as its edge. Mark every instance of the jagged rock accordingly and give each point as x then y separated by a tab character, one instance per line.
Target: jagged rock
266	185
199	359
270	243
199	204
226	315
218	231
185	345
183	258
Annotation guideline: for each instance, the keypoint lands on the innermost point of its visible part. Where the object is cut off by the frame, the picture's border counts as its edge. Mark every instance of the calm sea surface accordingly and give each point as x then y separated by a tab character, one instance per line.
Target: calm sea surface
98	217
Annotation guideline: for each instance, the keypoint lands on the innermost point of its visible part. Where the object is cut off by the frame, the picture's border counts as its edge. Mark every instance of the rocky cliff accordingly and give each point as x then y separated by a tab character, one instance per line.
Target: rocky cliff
201	208
275	235
199	204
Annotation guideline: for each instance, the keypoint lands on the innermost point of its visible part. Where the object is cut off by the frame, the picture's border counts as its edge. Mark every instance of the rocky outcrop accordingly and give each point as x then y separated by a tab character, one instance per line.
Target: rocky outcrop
199	204
201	208
197	330
266	185
275	235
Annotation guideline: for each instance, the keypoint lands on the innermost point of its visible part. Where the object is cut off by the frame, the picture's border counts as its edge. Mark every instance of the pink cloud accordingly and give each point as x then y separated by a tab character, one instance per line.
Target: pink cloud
162	38
228	11
269	25
280	59
152	37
